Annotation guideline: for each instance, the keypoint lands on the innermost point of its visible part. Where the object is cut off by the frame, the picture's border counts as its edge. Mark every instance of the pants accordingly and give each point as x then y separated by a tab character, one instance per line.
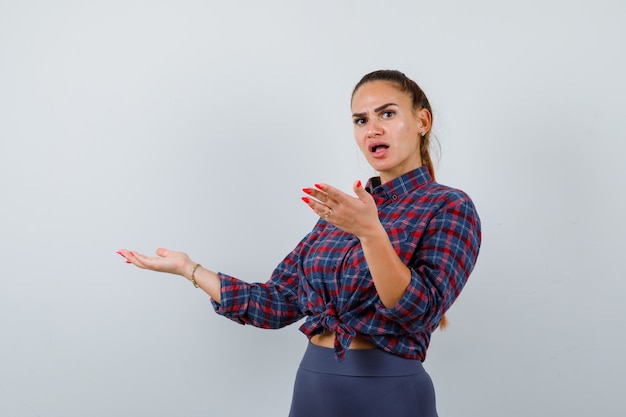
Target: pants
368	383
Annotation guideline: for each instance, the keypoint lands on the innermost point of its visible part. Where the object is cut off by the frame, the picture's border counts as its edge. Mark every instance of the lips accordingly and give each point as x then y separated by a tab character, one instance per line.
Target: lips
378	148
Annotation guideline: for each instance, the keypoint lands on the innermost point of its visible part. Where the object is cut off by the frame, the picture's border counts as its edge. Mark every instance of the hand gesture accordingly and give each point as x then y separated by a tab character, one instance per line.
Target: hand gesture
167	261
356	215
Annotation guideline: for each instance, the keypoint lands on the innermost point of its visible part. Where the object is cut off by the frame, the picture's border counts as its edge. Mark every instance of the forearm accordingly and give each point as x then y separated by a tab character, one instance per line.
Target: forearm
206	279
269	305
390	275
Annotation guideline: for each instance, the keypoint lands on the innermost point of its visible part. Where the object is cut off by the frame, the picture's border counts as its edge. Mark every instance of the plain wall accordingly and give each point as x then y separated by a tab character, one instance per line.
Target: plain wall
195	124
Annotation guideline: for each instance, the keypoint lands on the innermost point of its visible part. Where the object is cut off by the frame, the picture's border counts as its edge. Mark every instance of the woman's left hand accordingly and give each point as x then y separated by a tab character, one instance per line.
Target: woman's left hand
356	215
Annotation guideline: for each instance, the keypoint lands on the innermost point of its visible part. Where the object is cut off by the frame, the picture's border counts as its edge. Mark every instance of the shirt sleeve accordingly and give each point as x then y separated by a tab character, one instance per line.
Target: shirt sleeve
442	266
270	305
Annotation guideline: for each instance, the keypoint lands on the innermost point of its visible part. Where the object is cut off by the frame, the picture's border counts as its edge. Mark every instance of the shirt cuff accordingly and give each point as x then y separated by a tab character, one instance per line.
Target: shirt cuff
418	307
234	298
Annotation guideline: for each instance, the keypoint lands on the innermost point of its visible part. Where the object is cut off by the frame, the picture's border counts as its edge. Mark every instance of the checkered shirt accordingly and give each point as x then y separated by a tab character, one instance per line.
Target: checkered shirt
434	229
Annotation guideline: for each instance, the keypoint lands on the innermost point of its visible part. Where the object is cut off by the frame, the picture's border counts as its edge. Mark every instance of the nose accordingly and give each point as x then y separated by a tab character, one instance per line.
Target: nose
374	129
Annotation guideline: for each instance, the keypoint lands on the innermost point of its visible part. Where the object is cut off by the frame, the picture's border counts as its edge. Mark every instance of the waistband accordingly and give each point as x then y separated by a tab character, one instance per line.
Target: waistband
359	362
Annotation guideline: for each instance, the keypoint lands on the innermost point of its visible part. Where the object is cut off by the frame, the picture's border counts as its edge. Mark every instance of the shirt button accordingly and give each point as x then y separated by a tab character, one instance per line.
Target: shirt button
394	197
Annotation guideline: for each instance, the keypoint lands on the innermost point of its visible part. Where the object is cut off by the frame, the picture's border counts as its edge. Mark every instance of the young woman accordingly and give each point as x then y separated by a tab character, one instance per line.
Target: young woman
375	275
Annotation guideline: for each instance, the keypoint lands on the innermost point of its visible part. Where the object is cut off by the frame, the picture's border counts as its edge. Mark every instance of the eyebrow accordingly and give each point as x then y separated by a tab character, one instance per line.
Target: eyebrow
376	110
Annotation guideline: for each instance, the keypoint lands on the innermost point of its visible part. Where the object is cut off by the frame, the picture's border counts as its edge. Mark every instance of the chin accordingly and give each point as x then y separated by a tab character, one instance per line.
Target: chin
380	167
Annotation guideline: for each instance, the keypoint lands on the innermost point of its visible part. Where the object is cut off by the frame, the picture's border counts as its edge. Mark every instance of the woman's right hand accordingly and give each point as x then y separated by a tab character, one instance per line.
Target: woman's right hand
167	261
177	263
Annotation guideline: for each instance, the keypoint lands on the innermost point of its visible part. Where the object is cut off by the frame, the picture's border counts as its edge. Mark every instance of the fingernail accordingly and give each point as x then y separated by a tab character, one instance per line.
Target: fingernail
121	254
320	186
128	262
358	184
307	190
306	200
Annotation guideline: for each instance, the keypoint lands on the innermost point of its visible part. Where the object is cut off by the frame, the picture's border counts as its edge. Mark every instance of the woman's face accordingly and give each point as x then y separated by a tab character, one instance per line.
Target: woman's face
387	129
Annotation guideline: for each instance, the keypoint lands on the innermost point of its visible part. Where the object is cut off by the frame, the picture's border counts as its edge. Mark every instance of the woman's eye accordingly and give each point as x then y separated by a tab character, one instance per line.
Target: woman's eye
359	121
387	114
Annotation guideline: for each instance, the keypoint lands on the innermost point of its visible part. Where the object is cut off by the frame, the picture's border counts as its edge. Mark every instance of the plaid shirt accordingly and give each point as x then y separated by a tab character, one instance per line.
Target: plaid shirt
434	229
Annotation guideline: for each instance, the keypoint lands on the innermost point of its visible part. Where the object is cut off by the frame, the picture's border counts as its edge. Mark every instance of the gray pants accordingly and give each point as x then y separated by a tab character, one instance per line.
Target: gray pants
368	382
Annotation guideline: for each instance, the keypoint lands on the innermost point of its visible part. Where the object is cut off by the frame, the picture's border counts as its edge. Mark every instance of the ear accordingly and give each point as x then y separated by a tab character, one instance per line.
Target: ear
424	120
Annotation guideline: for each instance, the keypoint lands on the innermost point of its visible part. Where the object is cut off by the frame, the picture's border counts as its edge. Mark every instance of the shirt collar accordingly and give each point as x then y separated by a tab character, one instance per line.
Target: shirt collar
395	188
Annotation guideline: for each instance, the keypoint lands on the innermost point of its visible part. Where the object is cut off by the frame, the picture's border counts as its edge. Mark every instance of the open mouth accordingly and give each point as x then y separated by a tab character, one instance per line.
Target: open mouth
376	147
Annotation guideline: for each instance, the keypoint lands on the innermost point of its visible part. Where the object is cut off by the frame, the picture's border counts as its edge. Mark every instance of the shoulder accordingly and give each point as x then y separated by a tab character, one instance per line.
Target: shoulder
446	196
455	208
451	205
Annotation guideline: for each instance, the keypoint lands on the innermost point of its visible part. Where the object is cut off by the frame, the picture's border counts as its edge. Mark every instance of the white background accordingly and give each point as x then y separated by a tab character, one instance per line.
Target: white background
195	124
